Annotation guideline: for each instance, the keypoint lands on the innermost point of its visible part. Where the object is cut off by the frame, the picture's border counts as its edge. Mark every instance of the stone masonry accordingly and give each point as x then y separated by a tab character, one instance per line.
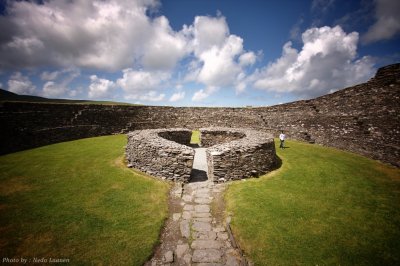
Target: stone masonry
161	153
362	119
244	153
164	153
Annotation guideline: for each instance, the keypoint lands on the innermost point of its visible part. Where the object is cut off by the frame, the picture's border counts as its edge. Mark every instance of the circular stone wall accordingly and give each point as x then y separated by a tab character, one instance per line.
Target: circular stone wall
161	153
232	153
251	154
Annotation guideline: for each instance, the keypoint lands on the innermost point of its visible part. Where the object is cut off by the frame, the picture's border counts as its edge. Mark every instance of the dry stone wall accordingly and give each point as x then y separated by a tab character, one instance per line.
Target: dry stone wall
150	152
235	153
211	137
249	156
362	119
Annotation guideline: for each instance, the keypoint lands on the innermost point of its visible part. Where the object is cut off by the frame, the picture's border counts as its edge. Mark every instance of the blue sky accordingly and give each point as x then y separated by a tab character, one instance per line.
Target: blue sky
194	52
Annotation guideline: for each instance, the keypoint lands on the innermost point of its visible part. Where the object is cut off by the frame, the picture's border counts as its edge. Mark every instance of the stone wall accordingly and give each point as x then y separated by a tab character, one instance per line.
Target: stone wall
180	136
362	119
147	151
214	137
249	156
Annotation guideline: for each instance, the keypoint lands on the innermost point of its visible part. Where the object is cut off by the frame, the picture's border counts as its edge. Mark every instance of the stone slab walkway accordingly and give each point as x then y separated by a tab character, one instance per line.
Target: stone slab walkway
195	233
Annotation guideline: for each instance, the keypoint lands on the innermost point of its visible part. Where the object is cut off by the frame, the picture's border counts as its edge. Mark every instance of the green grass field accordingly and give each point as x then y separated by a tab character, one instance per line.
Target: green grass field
322	207
195	139
77	200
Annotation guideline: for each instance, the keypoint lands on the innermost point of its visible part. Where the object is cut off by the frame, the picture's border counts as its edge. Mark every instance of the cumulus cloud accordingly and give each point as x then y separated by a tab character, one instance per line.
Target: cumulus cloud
20	84
100	88
203	94
51	89
220	59
327	61
142	85
46	75
151	96
95	34
387	23
57	83
166	47
177	96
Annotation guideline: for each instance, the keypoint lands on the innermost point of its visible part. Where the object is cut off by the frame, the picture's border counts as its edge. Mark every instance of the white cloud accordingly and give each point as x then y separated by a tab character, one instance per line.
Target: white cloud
151	96
248	58
51	89
58	81
327	61
220	60
46	75
100	88
96	34
21	84
166	47
203	94
177	96
140	84
1	85
387	23
209	32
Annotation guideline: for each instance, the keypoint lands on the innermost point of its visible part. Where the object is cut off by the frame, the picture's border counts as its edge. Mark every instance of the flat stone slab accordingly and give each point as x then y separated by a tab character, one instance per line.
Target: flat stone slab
176	216
202	191
206	244
169	257
185	228
202	200
200	219
186	215
201	214
206	255
187	198
222	236
181	250
210	235
202	208
201	226
188	207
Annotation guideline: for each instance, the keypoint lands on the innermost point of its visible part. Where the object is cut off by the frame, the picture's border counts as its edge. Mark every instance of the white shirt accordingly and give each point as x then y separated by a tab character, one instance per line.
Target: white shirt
282	136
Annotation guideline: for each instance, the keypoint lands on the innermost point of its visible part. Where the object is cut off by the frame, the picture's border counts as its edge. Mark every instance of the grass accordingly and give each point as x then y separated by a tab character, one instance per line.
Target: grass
195	137
322	207
76	200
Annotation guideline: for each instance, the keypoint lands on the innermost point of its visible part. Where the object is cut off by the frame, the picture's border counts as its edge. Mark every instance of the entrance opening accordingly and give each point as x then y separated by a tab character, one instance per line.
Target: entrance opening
199	169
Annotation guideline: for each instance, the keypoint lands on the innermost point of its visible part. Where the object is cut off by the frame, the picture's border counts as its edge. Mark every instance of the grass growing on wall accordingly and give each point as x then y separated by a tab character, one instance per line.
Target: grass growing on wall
195	137
76	200
322	207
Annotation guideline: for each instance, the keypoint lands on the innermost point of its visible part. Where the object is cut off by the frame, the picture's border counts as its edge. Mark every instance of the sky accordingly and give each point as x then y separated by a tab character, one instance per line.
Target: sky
194	52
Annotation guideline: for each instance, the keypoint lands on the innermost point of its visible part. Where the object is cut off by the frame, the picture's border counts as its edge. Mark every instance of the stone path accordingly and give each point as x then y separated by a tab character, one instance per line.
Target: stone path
195	233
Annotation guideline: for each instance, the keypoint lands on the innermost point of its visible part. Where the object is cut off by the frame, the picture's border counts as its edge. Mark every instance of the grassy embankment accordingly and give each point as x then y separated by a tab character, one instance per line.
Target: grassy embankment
322	207
77	200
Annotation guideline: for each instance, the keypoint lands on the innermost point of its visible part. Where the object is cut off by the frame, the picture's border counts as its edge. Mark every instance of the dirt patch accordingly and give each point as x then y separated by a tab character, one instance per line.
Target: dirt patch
15	185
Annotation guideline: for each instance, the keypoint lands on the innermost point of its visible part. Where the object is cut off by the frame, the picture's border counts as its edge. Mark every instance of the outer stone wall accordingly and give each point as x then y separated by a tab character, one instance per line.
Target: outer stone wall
252	155
149	152
362	119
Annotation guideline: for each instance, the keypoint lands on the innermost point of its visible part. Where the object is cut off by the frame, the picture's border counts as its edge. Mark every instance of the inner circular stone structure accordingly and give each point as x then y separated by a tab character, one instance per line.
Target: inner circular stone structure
232	153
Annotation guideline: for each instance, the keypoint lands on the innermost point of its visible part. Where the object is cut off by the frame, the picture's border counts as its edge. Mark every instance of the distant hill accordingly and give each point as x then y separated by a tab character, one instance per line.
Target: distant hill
8	96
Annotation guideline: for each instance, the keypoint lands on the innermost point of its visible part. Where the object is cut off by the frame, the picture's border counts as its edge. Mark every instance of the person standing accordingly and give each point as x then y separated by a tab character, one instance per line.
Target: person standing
282	138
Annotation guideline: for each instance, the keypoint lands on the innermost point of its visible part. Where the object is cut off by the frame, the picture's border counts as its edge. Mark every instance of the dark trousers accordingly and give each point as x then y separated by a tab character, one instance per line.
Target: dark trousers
282	142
